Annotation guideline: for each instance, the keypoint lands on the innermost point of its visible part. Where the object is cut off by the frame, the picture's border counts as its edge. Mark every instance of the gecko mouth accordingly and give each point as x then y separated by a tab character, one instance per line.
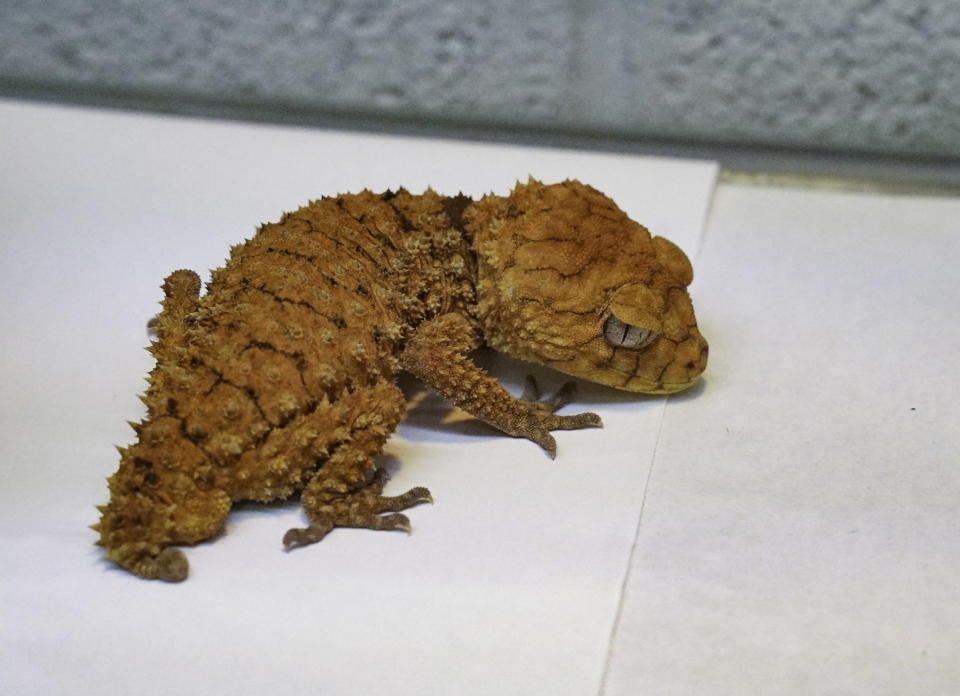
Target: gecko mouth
674	387
646	387
640	385
696	365
681	373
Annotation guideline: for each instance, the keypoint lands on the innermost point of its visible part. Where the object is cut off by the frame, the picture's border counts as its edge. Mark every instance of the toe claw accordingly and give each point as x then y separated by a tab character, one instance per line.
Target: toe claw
396	522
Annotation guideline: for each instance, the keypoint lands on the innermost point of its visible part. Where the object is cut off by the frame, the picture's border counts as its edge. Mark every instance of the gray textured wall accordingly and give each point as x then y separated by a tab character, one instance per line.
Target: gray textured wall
847	76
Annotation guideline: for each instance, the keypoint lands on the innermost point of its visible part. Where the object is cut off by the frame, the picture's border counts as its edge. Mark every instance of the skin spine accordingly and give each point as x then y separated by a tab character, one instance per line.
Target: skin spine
281	376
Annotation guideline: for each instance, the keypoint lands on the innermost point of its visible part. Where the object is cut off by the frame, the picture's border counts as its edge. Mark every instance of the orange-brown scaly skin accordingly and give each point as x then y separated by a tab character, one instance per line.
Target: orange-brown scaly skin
556	261
281	376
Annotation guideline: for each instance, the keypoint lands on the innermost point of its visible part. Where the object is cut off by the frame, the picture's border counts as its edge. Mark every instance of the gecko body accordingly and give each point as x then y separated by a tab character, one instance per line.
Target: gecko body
281	376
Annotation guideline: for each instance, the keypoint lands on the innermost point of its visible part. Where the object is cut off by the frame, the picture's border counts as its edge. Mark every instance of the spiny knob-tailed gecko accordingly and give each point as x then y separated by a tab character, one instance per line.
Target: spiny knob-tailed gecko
281	376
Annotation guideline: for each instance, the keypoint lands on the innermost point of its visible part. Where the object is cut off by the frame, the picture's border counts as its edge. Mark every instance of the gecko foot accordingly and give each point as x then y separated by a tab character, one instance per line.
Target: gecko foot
563	396
540	418
362	508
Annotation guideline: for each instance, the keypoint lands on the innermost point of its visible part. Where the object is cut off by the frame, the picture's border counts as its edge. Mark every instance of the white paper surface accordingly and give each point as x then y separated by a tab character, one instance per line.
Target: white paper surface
510	583
801	530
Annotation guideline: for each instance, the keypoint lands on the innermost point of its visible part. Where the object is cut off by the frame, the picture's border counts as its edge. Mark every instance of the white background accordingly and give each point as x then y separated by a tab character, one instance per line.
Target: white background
801	532
788	526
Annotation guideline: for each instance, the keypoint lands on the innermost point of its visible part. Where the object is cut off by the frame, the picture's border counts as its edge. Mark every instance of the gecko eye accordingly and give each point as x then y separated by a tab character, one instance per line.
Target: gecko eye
622	335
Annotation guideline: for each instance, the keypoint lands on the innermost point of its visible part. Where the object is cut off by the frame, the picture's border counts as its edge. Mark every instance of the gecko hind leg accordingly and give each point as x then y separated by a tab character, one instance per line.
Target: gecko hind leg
347	490
363	508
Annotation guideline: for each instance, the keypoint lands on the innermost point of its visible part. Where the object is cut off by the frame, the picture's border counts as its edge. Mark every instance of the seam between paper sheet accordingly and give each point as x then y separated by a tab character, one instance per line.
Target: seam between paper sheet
633	547
707	214
698	250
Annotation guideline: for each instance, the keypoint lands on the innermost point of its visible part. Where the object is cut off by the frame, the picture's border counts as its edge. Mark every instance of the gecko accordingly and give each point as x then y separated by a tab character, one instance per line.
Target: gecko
281	376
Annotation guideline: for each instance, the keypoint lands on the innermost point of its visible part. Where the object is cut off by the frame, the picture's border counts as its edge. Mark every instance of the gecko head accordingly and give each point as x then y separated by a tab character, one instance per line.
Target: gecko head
652	342
566	279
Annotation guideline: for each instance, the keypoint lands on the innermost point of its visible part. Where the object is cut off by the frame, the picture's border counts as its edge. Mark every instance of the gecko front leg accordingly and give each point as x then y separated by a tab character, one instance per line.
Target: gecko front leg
437	354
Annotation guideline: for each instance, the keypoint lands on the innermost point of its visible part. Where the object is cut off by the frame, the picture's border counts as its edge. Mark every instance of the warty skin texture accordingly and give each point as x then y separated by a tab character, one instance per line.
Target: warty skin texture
281	377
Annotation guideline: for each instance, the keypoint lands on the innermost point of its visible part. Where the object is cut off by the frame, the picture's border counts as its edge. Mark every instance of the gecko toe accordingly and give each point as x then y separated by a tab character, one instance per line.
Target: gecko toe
305	536
562	397
172	565
395	522
575	422
531	390
397	503
399	523
547	442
